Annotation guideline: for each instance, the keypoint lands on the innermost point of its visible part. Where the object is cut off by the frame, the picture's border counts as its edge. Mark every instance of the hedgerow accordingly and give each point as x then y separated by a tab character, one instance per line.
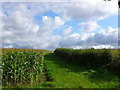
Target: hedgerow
92	57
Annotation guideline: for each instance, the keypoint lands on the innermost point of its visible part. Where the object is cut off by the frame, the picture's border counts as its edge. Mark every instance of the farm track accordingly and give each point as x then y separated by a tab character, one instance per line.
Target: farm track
68	75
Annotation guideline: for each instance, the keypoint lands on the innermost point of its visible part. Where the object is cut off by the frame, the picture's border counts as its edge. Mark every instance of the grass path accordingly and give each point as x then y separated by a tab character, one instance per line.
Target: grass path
68	75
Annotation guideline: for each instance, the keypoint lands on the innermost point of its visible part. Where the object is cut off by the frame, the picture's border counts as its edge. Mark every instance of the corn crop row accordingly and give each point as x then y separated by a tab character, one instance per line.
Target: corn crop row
20	66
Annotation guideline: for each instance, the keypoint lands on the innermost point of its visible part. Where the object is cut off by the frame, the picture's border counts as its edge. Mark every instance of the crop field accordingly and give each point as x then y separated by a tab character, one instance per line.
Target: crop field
63	68
21	66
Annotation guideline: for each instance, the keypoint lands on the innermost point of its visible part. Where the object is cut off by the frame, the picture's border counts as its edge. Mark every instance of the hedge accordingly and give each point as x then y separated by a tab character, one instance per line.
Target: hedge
91	57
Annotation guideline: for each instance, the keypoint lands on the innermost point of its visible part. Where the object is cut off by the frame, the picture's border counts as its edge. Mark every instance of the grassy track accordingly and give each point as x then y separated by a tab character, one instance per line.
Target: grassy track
68	75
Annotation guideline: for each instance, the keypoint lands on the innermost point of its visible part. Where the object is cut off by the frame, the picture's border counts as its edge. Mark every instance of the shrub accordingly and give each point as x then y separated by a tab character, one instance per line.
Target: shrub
114	65
90	57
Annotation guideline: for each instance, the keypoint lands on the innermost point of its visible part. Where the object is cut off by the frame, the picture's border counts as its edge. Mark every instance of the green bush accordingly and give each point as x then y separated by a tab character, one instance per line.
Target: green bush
114	65
92	57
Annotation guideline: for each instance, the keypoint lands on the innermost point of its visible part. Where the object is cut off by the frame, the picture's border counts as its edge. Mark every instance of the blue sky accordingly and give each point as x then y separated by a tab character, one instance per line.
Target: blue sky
111	21
53	25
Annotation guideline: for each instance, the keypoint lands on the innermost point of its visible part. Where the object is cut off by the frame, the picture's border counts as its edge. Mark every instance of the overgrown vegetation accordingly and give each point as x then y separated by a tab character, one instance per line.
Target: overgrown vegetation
107	58
21	66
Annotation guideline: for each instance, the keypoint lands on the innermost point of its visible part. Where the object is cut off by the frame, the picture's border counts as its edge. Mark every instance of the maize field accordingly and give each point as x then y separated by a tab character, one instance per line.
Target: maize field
21	66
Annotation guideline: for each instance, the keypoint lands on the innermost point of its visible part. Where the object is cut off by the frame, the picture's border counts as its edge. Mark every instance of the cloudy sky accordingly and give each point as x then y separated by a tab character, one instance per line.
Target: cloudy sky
49	25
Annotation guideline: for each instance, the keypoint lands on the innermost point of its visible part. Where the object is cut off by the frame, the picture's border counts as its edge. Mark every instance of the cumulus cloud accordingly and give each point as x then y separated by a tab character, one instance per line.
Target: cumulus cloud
67	31
70	40
89	26
50	24
103	39
20	30
87	10
107	37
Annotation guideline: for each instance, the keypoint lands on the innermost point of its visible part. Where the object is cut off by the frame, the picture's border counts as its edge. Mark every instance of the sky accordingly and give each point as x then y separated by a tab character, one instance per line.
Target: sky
49	25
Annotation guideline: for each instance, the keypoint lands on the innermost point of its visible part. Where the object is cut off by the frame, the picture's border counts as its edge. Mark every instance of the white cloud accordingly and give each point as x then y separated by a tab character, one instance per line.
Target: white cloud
87	10
103	46
8	46
50	24
67	31
102	39
35	28
20	30
70	40
89	26
105	37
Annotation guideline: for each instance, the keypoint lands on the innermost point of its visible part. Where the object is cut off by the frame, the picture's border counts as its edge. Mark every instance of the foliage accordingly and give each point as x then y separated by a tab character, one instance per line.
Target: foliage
69	75
114	65
21	66
92	57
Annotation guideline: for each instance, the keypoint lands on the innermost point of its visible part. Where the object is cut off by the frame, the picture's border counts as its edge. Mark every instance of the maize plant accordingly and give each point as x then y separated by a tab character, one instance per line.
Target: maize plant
21	65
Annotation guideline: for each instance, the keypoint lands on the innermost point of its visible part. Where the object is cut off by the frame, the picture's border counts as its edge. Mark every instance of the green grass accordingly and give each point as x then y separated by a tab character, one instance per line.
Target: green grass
68	75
